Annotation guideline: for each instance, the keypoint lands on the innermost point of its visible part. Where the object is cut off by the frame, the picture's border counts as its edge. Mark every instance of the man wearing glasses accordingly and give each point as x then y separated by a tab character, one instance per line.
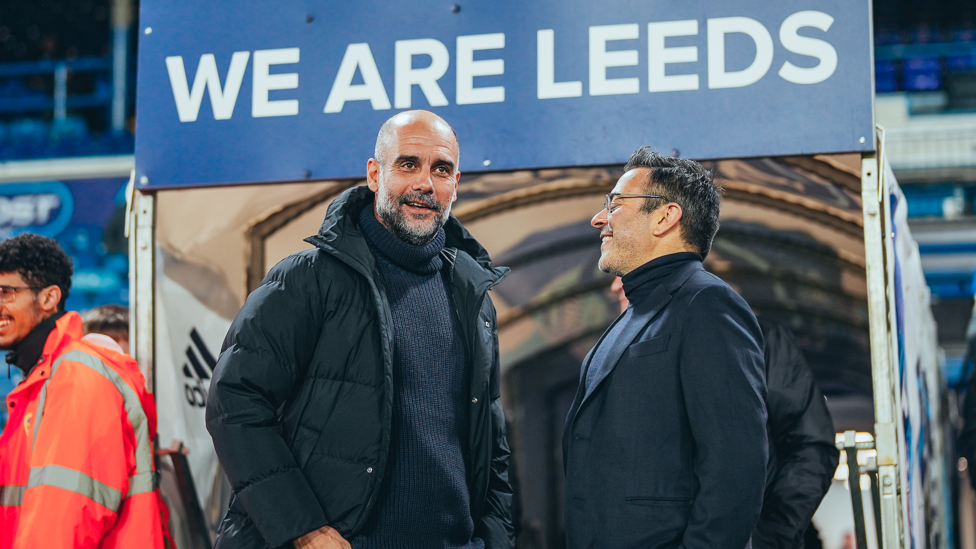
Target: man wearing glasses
665	444
76	464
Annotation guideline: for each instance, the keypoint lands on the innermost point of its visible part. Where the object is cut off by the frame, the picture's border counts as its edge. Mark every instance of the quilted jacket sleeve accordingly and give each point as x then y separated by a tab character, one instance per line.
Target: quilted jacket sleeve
496	527
265	356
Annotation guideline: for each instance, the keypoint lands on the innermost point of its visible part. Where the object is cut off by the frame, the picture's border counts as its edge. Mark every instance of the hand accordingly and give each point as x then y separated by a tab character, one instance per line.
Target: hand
176	447
323	538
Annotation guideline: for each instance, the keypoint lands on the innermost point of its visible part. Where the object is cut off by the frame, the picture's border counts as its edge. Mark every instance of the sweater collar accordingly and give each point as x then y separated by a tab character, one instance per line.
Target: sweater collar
640	282
340	235
416	259
27	353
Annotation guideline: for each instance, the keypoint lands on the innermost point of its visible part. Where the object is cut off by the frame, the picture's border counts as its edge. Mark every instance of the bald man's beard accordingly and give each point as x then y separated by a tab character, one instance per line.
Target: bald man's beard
403	225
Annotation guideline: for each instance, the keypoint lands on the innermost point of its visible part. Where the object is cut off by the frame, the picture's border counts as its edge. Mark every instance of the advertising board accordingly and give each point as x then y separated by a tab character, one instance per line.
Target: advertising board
258	91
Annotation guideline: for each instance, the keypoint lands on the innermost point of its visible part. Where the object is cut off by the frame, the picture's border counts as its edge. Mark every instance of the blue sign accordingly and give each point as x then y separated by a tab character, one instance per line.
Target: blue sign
285	90
86	217
43	208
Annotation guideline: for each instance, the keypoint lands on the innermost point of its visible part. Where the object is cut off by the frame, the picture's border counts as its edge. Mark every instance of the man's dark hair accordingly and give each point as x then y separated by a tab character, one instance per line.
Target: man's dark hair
106	319
687	183
39	260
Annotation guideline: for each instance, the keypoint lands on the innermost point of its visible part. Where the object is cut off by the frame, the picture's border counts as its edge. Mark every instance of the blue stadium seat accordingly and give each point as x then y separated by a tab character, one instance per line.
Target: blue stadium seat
925	206
69	137
27	138
33	138
71	127
961	63
963	34
14	87
926	201
922	74
886	76
118	263
924	34
887	37
112	143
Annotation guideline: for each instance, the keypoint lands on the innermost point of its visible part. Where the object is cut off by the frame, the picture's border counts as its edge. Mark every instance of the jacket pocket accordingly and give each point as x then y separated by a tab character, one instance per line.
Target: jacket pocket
657	502
649	347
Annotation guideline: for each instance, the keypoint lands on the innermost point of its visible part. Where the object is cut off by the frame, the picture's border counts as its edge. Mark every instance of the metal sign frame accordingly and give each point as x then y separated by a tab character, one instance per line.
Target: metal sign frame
879	259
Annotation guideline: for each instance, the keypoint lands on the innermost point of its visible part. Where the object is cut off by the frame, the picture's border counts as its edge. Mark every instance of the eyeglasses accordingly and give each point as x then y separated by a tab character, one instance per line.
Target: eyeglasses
9	293
610	206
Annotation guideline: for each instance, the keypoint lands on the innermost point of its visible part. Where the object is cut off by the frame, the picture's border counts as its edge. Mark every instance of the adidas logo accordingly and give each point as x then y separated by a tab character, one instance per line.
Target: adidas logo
196	372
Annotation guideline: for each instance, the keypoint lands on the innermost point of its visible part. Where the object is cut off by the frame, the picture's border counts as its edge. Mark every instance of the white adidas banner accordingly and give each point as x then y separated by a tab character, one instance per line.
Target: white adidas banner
188	340
926	482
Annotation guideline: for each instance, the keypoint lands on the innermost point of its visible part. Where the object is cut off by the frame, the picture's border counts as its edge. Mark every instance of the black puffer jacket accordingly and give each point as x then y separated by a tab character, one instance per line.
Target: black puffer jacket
802	455
301	400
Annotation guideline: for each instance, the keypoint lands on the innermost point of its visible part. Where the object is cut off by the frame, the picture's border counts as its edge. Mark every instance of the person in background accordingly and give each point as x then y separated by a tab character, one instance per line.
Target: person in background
665	443
356	401
108	325
76	464
967	436
802	455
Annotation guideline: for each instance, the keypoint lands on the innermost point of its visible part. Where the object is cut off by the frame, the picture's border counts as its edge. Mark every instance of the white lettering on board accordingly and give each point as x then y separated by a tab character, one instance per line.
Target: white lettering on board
546	85
222	99
659	55
807	46
28	209
718	77
45	204
358	56
467	68
264	82
406	76
601	59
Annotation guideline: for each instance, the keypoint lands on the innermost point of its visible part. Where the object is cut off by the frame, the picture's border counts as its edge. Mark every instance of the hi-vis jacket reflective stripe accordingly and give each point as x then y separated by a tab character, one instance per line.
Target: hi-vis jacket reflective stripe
76	467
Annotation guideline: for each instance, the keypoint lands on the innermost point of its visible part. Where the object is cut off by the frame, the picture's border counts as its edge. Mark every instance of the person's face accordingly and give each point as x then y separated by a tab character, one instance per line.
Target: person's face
418	182
25	310
626	232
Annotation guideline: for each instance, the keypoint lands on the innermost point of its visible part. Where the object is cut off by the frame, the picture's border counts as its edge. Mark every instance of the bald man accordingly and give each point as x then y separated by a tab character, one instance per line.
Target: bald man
356	399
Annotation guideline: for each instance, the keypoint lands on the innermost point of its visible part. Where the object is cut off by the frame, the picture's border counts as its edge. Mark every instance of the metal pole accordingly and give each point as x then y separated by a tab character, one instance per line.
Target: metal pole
90	167
196	522
854	483
60	92
883	375
121	23
142	247
875	497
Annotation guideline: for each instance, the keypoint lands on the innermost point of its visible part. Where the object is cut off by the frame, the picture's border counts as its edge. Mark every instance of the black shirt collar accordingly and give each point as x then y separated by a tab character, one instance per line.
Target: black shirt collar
640	282
26	354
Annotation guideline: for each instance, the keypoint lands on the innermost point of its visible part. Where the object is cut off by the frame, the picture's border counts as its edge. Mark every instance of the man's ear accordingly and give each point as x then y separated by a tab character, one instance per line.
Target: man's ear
457	179
668	218
49	298
373	175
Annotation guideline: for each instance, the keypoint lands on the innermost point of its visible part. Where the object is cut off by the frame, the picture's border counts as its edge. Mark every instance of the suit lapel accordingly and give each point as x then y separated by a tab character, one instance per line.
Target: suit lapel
642	316
644	313
589	356
581	387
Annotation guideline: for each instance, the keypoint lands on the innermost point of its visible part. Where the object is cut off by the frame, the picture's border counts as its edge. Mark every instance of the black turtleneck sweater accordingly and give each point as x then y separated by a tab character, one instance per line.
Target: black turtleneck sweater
26	354
638	284
424	501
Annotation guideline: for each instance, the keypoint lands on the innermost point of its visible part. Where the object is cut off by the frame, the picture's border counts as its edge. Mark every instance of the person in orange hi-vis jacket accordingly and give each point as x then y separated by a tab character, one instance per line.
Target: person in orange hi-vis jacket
76	462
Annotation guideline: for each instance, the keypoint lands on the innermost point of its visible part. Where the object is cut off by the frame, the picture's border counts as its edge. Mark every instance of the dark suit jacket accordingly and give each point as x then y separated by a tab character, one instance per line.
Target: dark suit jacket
669	449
